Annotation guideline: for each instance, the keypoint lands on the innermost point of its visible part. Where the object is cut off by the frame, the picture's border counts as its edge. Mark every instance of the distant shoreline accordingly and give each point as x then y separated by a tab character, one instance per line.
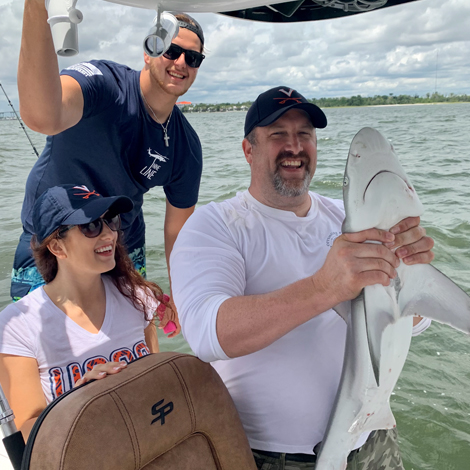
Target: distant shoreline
394	105
322	103
224	108
404	104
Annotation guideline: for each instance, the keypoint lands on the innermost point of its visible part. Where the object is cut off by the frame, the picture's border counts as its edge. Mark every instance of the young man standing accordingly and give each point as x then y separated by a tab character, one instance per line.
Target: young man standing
114	128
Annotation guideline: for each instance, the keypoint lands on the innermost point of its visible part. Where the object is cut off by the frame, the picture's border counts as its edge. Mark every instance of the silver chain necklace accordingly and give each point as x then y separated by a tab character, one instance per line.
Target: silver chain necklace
166	138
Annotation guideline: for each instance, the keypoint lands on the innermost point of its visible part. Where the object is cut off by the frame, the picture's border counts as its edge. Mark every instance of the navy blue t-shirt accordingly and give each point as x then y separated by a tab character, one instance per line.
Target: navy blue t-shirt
116	149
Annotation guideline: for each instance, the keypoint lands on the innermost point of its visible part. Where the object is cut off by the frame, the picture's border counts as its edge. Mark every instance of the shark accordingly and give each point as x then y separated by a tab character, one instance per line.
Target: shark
378	193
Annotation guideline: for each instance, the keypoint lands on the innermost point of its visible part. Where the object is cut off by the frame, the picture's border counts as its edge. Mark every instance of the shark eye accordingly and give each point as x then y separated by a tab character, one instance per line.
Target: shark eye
345	181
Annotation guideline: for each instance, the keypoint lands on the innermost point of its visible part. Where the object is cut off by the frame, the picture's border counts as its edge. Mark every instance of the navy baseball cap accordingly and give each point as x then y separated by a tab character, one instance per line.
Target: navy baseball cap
71	204
195	27
272	104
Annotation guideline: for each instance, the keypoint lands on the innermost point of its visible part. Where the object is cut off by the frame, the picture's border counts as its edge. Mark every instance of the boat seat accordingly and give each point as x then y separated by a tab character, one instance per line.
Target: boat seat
165	411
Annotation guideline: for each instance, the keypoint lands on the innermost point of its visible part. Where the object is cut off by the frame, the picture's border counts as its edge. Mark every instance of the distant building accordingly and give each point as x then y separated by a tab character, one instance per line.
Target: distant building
7	116
183	104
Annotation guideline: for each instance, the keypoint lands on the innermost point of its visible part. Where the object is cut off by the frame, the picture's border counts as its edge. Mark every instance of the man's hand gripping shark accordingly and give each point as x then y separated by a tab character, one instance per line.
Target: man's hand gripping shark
377	193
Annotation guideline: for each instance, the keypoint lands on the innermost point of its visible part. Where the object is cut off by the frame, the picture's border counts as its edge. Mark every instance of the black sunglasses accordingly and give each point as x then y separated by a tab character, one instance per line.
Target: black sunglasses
192	58
94	228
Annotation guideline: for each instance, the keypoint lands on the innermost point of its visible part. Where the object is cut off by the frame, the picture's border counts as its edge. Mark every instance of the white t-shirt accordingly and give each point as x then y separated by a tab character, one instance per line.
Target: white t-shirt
284	393
35	327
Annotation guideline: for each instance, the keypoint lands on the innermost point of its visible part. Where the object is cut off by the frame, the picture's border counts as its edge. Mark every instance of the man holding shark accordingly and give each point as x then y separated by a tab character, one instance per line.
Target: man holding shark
255	279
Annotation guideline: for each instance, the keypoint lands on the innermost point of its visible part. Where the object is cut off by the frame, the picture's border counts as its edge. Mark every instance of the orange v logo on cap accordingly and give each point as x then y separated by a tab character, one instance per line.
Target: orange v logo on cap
87	192
288	93
285	100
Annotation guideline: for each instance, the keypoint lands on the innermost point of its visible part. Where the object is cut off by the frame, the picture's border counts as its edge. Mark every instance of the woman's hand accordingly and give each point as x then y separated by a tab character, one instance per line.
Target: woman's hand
101	371
168	317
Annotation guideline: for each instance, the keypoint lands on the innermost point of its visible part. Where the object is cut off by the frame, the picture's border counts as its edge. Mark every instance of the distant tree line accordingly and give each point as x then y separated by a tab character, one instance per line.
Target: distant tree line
389	99
377	100
212	108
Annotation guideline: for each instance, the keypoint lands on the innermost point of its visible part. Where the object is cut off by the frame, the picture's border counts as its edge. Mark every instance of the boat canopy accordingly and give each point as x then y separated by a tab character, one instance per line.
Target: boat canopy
311	10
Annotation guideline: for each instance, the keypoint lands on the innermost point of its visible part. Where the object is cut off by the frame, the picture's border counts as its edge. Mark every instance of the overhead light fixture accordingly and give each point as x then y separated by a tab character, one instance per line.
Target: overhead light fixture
352	5
63	19
163	31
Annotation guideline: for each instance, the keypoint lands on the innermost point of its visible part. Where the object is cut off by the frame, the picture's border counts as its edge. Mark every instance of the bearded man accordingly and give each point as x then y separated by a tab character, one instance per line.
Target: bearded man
255	279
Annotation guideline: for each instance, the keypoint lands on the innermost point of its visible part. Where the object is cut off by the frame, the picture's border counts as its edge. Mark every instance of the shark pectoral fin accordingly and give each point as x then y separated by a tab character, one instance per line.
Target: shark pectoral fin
382	418
429	293
343	310
379	308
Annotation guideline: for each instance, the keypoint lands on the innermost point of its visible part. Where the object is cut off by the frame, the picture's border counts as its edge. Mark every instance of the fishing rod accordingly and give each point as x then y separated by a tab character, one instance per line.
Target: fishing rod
19	120
13	440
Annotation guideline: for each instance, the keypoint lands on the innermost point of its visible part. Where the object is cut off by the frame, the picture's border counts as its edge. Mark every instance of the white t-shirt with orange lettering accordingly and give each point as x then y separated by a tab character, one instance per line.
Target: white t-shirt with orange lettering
35	327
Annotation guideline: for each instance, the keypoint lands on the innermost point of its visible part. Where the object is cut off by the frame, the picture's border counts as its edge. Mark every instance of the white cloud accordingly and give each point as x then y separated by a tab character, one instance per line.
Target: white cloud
394	50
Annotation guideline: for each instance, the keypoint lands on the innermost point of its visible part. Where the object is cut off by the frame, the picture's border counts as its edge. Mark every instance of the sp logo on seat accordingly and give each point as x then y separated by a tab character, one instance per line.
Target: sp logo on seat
162	411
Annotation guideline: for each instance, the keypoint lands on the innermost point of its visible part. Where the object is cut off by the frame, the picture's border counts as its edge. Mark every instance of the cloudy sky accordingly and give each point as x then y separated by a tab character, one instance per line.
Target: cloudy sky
393	50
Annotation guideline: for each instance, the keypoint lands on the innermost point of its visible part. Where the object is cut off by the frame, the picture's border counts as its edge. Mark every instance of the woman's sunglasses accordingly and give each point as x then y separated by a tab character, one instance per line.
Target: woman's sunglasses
94	228
192	58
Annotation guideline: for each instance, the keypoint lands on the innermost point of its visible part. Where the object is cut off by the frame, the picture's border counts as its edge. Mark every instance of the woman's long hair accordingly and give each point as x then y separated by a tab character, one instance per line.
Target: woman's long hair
126	278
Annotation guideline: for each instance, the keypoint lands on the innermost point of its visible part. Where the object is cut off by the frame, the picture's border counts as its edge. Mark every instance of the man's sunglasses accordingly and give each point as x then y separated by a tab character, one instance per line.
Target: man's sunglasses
192	58
94	228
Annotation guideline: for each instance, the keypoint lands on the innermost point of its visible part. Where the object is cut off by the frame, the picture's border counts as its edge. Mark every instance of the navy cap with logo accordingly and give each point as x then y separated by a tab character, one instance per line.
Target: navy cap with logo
71	204
272	104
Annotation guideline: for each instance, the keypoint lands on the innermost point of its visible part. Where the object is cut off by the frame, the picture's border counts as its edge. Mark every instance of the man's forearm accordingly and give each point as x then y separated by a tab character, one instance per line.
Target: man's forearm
175	218
174	221
169	242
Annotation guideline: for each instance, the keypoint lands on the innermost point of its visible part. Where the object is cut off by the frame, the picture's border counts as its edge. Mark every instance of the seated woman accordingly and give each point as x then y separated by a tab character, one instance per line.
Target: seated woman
93	316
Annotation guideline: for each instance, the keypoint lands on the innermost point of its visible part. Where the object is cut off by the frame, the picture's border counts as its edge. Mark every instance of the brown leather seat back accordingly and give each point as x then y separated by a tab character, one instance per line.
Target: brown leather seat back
165	411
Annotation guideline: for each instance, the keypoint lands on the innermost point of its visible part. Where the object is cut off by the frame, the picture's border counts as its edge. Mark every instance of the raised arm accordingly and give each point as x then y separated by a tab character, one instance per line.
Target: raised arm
49	103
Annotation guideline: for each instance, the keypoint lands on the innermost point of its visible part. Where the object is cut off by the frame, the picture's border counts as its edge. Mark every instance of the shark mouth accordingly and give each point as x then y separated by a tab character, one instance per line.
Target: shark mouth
381	172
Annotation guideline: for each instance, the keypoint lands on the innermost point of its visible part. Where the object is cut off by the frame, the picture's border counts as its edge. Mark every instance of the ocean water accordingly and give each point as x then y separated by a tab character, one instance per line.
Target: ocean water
431	402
